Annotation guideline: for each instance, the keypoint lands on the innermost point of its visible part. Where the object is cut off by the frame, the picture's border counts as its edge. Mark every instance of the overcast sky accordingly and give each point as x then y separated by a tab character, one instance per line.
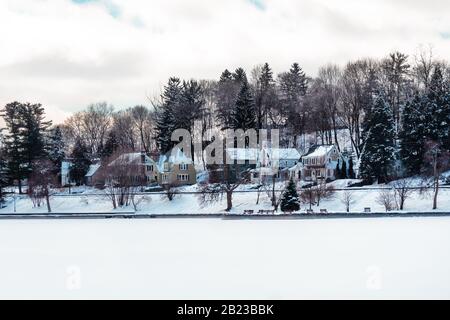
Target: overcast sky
68	53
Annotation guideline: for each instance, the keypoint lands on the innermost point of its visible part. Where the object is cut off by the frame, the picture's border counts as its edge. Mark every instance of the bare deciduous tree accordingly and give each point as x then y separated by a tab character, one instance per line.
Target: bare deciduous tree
41	182
436	162
348	198
402	191
124	176
386	198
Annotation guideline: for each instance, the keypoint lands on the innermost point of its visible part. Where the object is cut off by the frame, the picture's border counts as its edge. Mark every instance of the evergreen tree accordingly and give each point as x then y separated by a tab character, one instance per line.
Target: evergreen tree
263	95
80	162
225	94
244	116
240	76
293	87
379	151
412	136
438	109
34	131
290	200
351	172
226	76
25	141
294	83
338	171
344	170
3	172
165	114
56	147
111	145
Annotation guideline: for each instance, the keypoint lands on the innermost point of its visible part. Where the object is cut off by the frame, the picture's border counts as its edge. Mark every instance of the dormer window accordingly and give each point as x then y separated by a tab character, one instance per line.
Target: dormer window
166	166
183	167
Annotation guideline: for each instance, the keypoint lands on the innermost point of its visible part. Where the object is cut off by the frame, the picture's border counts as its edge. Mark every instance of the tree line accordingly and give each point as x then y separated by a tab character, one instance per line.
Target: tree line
394	112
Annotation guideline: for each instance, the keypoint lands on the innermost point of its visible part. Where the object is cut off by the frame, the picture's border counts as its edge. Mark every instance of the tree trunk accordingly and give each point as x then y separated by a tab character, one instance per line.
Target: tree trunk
436	190
229	200
47	198
20	186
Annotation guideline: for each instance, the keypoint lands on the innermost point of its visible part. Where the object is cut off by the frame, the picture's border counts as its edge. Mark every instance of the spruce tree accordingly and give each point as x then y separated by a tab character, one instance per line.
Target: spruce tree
290	200
80	162
244	116
165	114
438	109
56	147
379	150
412	135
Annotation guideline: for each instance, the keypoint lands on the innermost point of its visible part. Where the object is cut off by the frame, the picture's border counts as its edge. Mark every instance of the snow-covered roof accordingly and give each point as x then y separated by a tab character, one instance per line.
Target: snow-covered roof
319	151
283	153
253	154
298	166
92	169
131	157
175	156
250	154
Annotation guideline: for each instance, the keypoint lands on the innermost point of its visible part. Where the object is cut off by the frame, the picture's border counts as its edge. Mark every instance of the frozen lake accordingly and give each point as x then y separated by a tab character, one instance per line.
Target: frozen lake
213	258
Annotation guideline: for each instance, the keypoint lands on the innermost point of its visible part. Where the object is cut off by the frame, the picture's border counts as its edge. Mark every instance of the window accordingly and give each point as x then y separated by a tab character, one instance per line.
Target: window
183	167
166	166
183	177
165	177
150	168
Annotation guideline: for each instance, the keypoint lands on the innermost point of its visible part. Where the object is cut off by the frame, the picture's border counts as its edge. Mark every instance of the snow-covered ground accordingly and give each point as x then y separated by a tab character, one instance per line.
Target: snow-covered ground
213	258
189	203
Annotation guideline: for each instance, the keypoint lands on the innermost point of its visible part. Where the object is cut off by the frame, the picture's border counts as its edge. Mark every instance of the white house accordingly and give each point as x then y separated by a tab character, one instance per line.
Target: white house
318	163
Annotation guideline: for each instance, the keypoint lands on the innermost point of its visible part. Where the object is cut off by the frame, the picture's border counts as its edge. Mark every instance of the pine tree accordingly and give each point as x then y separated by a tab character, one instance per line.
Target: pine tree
379	151
34	131
290	200
244	116
263	95
240	76
56	147
15	142
438	109
3	172
351	172
412	136
226	76
111	145
166	121
225	94
80	162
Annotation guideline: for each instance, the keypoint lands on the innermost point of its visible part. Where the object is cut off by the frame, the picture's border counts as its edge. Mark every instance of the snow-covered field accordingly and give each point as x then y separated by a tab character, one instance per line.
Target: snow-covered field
188	203
214	258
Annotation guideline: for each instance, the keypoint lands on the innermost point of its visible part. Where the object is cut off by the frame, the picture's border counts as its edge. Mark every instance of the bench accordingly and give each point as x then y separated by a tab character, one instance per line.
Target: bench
309	211
366	210
249	211
323	211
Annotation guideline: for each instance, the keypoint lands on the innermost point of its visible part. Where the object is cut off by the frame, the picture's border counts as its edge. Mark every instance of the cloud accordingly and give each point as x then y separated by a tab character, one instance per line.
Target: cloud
66	54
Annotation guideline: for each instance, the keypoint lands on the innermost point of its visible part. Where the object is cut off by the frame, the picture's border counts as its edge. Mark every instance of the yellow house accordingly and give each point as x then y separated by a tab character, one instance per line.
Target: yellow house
176	169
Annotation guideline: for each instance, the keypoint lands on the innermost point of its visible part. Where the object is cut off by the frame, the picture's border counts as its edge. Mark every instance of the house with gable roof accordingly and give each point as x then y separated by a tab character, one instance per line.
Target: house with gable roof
318	163
176	168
